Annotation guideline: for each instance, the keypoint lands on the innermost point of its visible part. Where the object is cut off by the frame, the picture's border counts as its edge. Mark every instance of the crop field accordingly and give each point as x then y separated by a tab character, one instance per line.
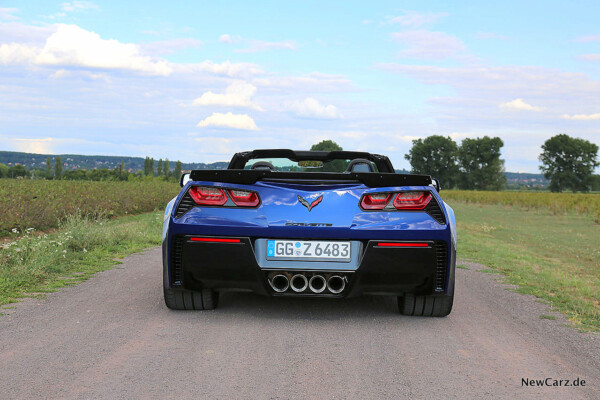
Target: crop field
552	256
556	203
41	205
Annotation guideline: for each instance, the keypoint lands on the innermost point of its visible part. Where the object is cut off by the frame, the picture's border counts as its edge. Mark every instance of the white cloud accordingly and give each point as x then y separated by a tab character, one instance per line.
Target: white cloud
169	46
256	46
588	38
71	45
582	117
225	68
414	19
311	108
230	39
6	13
15	53
519	105
590	57
429	45
37	146
367	22
238	94
78	5
229	120
313	82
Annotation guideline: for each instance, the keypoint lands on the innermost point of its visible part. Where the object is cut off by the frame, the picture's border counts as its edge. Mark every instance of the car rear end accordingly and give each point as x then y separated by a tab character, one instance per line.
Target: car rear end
291	237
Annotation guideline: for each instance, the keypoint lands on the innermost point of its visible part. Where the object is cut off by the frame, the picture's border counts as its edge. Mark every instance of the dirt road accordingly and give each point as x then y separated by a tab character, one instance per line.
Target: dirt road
112	337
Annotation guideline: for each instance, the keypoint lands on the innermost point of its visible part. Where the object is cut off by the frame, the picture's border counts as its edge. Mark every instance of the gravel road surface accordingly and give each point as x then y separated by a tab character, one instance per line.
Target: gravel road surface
112	337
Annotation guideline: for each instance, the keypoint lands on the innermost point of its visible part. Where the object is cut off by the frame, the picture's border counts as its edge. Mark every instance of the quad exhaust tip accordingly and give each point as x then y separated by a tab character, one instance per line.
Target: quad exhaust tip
336	284
299	283
280	283
317	283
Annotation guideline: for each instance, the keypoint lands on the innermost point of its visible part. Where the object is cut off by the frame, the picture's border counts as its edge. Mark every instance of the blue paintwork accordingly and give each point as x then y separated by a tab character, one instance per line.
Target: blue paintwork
280	205
340	208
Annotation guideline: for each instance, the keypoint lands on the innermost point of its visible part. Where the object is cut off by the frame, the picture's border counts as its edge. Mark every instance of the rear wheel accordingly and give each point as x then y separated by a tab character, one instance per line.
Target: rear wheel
426	306
205	299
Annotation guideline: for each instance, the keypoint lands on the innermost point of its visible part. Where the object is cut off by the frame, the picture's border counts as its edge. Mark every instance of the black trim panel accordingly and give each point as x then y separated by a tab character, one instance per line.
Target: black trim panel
370	179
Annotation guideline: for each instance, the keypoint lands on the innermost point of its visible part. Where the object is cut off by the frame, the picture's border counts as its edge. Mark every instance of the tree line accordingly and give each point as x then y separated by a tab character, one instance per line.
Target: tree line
119	173
568	163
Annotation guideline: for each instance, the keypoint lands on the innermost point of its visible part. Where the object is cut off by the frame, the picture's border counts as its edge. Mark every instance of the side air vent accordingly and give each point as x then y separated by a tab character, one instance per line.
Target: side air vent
177	261
434	209
185	205
441	252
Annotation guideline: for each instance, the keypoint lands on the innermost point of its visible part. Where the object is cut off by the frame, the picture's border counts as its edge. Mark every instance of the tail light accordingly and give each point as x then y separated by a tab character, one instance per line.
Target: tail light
375	201
244	198
402	200
208	196
412	200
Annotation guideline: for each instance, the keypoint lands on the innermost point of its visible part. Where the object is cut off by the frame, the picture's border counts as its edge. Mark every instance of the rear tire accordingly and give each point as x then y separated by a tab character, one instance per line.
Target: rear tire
205	299
425	306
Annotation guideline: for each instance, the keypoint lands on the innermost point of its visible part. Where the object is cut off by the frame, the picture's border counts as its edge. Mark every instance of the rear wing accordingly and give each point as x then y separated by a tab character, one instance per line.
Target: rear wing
369	179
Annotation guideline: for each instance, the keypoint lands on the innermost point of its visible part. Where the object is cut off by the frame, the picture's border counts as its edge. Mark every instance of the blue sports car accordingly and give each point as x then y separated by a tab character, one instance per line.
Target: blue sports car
308	223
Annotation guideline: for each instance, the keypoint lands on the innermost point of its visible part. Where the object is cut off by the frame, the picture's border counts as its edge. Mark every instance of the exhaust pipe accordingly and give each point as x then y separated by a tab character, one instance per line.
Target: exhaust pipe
279	283
299	283
336	284
317	283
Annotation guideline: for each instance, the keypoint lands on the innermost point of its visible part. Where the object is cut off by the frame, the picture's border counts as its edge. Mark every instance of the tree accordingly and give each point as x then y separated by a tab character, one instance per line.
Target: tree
569	163
18	170
177	172
58	168
166	168
331	166
436	156
159	170
121	170
480	165
326	145
48	168
147	167
4	171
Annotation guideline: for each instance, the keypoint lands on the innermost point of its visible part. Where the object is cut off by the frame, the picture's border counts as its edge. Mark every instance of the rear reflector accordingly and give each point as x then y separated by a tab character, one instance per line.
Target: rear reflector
375	201
215	240
208	196
395	244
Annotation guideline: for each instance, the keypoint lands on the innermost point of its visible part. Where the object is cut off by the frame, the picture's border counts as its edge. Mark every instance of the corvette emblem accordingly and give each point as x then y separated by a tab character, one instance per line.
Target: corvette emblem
311	205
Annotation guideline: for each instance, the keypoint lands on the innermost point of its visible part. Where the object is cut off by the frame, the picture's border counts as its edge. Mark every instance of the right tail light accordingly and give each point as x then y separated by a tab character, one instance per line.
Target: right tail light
402	200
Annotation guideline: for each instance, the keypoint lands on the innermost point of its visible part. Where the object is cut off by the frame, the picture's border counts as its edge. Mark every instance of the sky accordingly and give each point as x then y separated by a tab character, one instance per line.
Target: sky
198	81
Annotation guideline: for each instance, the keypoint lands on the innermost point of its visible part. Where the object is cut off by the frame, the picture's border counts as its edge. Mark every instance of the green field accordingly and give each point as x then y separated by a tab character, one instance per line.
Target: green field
548	244
554	257
556	203
42	205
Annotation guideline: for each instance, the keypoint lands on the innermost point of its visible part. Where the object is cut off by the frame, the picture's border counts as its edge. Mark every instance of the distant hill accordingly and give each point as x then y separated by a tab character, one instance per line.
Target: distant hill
76	161
134	164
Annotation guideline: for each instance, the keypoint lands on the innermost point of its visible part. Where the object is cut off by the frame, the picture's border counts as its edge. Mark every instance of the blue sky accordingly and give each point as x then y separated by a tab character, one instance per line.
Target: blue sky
199	81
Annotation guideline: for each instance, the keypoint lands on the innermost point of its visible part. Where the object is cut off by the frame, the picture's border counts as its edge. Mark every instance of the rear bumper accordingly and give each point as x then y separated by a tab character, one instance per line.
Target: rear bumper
240	265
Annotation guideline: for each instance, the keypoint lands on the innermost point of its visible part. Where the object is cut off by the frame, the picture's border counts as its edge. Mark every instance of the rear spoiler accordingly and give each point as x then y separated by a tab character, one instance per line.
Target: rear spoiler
370	179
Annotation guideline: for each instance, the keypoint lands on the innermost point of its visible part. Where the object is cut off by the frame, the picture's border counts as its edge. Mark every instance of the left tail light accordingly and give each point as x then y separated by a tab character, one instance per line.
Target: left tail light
208	196
214	196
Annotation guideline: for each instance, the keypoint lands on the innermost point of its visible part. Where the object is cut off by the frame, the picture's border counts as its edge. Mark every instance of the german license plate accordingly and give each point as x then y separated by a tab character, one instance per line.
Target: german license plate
308	250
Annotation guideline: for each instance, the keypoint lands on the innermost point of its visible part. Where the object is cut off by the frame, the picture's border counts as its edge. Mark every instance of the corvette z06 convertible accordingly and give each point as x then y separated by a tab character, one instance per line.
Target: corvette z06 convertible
315	224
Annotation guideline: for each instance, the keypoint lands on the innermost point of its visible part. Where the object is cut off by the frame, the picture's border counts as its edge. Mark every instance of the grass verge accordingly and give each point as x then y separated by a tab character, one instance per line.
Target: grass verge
554	257
83	246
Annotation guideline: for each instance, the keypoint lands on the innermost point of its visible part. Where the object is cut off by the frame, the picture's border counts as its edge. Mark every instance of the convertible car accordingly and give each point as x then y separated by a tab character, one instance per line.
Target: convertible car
313	224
